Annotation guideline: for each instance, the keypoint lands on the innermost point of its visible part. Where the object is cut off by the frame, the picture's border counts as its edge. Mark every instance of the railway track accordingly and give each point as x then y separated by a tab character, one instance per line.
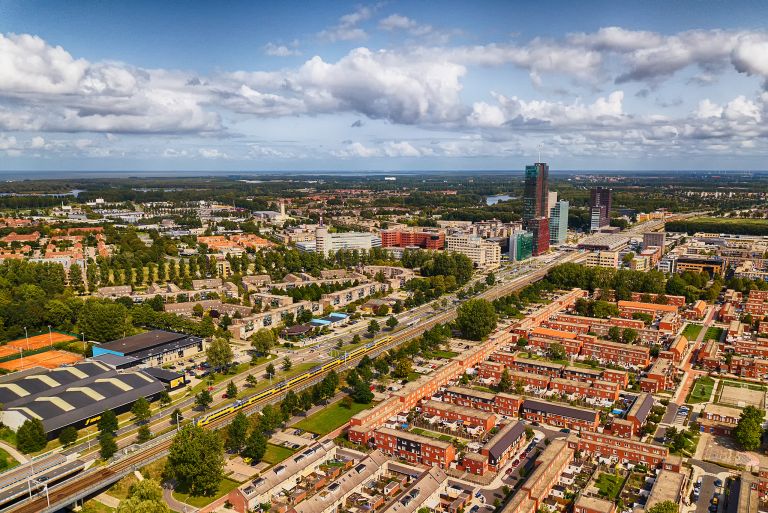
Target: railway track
87	483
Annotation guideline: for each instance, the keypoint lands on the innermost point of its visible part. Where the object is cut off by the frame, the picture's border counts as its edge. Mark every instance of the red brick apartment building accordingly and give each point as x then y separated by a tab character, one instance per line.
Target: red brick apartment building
414	448
469	416
749	367
497	451
537	381
617	353
560	415
490	370
543	338
476	399
508	404
591	389
627	308
661	376
616	376
549	466
404	238
717	419
758	348
544	368
671	300
621	450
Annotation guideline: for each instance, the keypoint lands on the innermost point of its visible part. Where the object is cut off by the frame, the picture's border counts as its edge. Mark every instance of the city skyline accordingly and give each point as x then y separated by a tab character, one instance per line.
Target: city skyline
382	86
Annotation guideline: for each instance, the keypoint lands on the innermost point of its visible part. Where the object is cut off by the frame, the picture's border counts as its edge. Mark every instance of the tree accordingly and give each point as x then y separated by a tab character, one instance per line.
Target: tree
270	370
31	437
255	446
145	496
237	432
356	339
196	460
528	432
557	351
664	507
263	340
165	398
402	368
521	342
490	279
76	278
373	327
287	364
629	336
505	382
102	320
748	431
197	310
251	380
219	353
203	400
361	392
68	435
231	390
476	318
270	418
140	410
107	446
392	322
176	416
614	333
108	422
144	434
382	310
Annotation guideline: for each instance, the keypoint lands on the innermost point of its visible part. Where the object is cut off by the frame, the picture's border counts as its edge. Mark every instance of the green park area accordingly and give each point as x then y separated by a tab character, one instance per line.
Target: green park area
275	454
701	391
713	333
225	486
691	331
330	418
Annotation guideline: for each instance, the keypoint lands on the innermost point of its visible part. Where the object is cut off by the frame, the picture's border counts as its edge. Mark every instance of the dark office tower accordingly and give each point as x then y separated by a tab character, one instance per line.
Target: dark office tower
539	227
536	192
599	207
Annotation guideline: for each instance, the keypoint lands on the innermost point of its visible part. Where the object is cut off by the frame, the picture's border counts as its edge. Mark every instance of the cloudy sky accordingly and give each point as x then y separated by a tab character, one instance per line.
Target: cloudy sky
395	85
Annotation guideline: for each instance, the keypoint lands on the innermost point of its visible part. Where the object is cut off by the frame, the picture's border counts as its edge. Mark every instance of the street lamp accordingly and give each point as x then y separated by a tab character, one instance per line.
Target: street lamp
50	336
21	354
26	337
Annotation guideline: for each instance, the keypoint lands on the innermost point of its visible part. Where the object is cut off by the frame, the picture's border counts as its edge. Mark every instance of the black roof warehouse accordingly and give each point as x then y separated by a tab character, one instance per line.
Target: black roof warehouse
72	396
153	347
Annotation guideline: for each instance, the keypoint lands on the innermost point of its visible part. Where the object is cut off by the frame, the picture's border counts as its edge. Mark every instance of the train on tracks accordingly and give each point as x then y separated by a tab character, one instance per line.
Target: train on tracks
292	382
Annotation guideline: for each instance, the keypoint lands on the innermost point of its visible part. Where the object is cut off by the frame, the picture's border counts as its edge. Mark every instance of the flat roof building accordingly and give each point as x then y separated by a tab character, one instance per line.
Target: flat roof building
154	347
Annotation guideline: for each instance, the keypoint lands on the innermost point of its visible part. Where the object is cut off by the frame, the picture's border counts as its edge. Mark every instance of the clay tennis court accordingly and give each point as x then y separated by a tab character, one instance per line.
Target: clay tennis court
48	359
38	341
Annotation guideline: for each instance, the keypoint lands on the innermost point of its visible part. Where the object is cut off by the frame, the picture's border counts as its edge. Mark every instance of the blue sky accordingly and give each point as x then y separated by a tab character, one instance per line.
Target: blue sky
387	86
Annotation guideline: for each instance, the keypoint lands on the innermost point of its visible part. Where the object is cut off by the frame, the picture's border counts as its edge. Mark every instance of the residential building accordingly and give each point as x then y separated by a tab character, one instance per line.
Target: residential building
657	239
409	238
327	242
414	448
560	415
483	254
618	449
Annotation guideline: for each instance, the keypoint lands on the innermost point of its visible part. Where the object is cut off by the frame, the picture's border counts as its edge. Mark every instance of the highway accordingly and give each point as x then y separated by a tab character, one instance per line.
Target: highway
92	480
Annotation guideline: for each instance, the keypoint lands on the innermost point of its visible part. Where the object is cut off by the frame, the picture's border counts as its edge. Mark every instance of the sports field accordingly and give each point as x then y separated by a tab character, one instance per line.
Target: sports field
48	359
38	341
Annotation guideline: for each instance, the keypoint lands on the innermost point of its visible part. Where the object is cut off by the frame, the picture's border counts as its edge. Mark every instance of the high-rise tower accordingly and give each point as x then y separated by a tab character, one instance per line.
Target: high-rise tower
536	192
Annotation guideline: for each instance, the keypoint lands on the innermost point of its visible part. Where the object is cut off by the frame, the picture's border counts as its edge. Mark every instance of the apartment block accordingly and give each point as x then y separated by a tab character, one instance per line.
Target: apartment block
608	259
468	416
434	239
616	353
560	415
414	448
617	449
482	253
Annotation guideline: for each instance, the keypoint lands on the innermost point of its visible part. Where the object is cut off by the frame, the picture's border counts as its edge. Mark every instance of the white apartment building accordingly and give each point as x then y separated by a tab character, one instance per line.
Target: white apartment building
483	254
325	241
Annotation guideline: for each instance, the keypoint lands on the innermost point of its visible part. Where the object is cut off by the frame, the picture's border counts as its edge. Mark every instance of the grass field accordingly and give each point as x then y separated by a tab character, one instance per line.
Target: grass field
275	454
225	486
692	331
609	485
94	506
701	391
330	418
713	333
7	460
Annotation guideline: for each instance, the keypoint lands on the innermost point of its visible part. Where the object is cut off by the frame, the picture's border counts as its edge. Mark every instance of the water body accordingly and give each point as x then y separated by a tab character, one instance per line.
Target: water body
492	200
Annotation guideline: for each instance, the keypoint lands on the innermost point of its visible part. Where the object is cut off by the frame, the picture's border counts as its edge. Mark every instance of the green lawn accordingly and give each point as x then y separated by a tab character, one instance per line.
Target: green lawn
691	331
713	333
701	391
330	418
265	383
225	486
6	460
275	454
432	434
609	485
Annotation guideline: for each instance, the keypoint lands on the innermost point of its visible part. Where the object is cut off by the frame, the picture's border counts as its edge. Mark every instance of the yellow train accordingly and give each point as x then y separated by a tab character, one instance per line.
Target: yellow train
290	383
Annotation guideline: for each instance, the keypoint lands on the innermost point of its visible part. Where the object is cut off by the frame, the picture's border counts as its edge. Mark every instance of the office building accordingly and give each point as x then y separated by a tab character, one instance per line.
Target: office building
536	192
539	227
603	259
520	246
558	222
656	239
551	200
326	242
423	239
483	254
599	207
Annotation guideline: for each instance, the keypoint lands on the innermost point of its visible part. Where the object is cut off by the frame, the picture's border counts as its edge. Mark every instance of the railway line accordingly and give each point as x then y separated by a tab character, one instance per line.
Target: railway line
92	480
